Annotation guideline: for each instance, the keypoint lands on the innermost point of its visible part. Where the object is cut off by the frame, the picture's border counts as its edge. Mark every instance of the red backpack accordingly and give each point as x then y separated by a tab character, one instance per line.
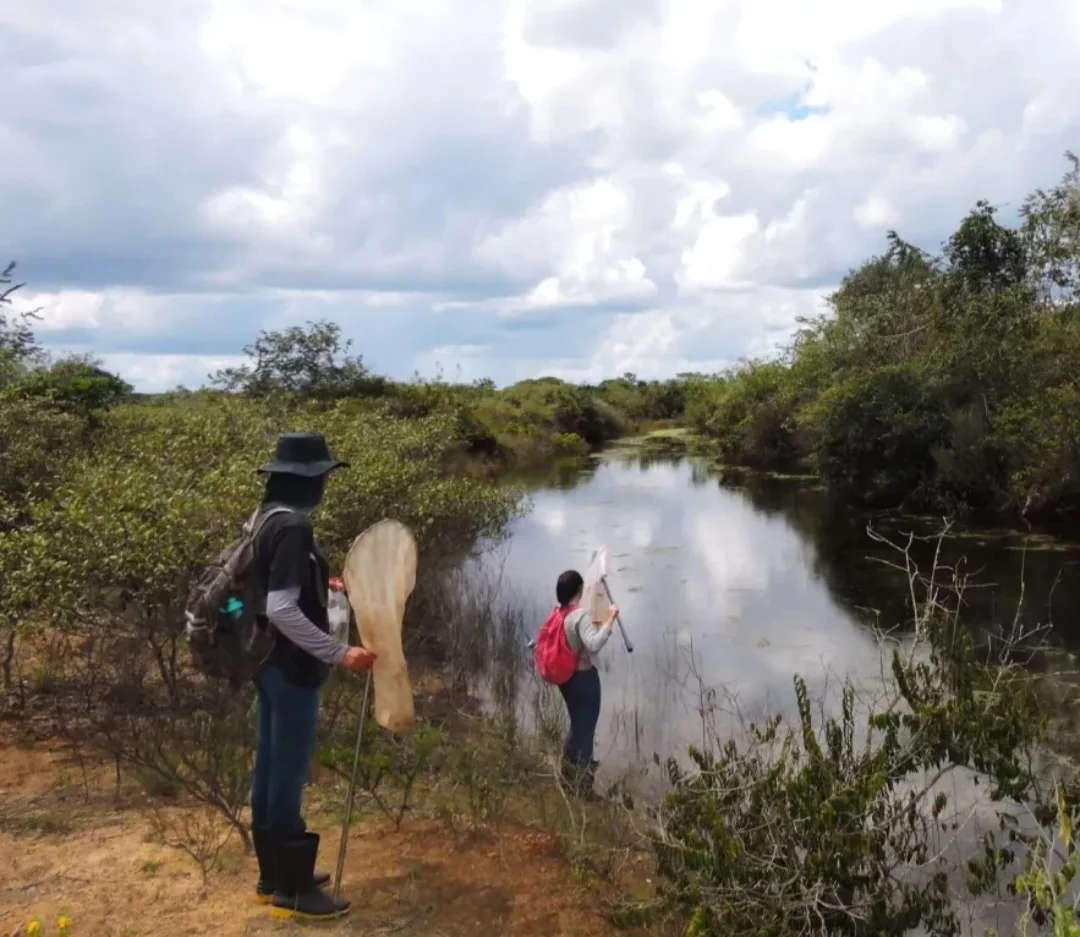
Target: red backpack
555	660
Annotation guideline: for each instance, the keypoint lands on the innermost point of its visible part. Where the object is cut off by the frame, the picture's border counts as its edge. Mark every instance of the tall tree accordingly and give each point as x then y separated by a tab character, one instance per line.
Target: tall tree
309	361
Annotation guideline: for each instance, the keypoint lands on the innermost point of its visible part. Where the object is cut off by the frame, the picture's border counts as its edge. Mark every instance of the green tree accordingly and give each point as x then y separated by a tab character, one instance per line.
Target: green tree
310	362
77	385
18	344
942	382
1051	232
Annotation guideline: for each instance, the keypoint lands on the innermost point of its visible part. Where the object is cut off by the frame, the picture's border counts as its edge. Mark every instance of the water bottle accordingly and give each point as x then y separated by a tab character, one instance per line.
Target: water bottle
338	611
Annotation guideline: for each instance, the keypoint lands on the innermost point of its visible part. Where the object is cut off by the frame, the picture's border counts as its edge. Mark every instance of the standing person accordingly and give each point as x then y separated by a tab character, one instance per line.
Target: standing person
581	693
294	575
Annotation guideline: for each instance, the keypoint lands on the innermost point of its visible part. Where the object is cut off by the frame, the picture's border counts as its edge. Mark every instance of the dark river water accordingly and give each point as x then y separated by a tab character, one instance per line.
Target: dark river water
735	588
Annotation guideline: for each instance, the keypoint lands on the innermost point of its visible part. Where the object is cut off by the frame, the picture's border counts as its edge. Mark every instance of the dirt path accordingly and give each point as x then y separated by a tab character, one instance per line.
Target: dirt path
67	847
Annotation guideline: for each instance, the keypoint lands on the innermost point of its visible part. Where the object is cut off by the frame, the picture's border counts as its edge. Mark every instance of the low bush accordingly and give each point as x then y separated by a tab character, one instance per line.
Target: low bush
840	823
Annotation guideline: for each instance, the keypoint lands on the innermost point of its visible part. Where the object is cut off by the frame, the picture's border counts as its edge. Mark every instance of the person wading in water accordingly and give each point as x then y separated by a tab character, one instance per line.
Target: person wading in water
581	692
295	577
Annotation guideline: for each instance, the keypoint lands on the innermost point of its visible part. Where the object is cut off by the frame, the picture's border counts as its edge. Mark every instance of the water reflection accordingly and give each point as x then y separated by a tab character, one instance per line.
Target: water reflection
739	588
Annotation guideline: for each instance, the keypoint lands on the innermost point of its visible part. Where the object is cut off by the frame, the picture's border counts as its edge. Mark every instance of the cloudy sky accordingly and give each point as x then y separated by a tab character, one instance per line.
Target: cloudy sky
501	187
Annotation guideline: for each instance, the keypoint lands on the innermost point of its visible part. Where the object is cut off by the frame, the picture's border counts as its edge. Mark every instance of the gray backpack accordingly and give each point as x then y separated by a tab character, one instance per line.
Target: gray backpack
226	627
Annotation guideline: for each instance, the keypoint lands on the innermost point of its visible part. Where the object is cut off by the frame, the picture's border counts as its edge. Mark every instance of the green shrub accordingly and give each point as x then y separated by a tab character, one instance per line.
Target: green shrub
640	401
134	521
944	382
569	444
836	822
1042	439
36	443
74	385
876	433
103	560
751	415
529	414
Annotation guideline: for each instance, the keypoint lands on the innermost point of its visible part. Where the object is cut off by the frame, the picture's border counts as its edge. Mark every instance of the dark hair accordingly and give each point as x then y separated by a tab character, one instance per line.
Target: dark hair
568	586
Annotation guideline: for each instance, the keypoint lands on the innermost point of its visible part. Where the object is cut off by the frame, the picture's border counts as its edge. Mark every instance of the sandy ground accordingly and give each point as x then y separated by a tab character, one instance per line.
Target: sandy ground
66	846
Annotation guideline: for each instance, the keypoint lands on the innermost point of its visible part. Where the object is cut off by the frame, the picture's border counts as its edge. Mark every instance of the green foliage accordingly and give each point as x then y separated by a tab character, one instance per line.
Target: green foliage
944	382
751	414
310	361
569	444
826	824
1046	435
1046	881
18	346
46	409
36	441
74	385
641	401
1051	232
531	420
529	414
877	432
133	522
390	766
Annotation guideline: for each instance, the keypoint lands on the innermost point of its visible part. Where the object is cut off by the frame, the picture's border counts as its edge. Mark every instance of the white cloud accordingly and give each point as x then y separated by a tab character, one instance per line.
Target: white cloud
156	373
578	186
69	309
580	234
875	212
714	258
708	337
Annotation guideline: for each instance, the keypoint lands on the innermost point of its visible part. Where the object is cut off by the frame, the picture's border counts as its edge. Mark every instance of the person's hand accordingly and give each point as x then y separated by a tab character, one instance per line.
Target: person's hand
358	660
612	614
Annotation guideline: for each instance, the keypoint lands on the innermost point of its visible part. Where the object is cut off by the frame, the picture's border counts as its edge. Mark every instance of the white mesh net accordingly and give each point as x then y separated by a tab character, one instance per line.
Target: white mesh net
593	596
380	573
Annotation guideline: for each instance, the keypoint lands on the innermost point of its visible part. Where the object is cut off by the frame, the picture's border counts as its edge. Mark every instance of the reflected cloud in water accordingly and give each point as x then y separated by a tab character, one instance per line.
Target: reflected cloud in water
709	587
739	588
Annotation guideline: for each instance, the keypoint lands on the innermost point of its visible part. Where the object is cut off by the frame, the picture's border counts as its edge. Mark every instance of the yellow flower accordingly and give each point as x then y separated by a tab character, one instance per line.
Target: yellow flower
63	922
33	929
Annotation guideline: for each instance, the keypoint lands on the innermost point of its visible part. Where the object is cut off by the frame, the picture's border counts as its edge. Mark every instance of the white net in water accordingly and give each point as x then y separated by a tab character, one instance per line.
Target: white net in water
380	574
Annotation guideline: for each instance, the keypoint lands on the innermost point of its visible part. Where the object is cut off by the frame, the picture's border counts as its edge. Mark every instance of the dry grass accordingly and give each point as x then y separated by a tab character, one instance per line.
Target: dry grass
75	842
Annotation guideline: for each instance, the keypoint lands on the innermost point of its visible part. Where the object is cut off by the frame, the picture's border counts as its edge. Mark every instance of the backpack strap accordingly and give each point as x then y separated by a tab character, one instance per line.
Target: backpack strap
254	527
260	517
582	652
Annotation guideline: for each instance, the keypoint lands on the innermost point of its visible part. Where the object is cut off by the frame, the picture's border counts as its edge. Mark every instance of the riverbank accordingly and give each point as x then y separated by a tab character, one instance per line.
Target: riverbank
1042	530
753	583
770	588
459	828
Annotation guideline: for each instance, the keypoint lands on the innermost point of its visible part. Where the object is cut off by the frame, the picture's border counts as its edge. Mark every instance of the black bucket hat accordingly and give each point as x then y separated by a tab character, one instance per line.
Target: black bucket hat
305	454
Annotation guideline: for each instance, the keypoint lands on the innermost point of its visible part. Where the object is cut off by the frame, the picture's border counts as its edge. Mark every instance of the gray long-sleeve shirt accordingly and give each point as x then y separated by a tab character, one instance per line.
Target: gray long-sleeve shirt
284	614
584	637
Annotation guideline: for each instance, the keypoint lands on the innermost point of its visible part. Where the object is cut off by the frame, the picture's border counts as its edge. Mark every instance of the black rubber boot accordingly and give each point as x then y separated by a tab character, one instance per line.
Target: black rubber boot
578	778
296	894
264	852
587	784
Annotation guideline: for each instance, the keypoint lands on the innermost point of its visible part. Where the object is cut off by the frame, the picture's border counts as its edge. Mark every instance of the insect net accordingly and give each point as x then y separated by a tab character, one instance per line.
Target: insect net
379	575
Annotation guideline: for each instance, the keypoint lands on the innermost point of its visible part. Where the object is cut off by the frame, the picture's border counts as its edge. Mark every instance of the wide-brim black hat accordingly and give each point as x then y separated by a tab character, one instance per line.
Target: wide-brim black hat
305	454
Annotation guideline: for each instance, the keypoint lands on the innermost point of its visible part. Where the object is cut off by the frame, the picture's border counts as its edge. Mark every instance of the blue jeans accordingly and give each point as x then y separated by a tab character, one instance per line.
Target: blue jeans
582	696
288	716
